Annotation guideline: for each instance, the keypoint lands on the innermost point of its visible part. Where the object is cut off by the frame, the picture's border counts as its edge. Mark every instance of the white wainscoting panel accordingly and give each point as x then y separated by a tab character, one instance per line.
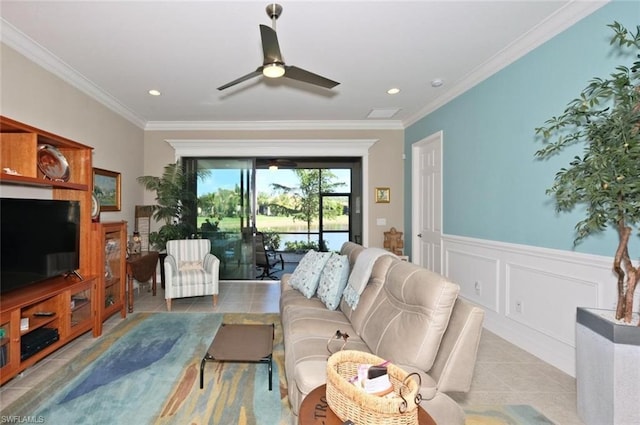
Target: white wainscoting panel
477	275
530	294
530	291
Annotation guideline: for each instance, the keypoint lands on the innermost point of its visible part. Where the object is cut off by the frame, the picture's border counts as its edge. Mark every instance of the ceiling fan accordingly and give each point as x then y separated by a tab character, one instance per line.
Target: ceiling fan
273	65
276	163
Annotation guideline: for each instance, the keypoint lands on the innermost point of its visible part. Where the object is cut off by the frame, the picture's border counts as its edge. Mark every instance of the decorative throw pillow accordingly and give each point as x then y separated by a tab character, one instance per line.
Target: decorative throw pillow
306	276
190	265
333	280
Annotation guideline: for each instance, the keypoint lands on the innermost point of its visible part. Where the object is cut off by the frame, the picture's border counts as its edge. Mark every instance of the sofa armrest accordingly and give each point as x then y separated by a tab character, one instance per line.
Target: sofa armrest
284	282
456	358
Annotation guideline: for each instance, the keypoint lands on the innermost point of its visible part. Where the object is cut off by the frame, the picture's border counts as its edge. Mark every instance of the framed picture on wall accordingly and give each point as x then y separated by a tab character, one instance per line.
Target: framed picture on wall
106	187
383	195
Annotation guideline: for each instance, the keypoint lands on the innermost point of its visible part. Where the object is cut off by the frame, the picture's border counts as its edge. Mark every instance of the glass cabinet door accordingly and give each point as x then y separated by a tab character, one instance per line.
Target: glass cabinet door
5	338
112	267
80	301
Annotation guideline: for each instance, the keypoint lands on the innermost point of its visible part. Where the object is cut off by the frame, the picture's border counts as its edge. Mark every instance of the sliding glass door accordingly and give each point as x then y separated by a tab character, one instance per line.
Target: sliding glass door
296	204
306	207
226	213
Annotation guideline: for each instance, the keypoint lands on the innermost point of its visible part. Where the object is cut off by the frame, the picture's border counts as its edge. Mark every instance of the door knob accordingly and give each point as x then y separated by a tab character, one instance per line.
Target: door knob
419	235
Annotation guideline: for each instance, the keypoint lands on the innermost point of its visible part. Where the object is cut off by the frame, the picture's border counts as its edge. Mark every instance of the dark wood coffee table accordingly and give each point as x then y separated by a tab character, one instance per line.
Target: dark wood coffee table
314	410
241	344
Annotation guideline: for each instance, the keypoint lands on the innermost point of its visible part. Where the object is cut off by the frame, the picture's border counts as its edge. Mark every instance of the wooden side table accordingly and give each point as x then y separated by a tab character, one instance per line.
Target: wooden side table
314	410
141	267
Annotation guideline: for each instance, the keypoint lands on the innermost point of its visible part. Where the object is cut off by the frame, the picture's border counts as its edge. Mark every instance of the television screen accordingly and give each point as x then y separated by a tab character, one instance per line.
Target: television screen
40	238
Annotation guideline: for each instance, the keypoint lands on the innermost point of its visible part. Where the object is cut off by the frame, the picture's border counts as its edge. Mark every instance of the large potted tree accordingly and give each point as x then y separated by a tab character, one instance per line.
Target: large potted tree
175	204
605	179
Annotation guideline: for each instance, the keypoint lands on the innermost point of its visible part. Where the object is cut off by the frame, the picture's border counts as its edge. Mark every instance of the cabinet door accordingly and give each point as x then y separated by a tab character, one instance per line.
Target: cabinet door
9	344
81	308
113	265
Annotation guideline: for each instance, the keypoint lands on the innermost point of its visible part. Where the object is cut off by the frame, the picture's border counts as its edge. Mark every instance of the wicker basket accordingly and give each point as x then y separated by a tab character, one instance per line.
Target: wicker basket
350	402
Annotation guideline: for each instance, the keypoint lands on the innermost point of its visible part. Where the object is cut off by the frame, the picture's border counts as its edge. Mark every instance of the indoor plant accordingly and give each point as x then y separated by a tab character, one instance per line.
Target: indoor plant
605	119
176	200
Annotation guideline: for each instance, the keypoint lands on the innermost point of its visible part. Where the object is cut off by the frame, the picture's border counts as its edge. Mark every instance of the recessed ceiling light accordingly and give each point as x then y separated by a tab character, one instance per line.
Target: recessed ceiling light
394	90
437	82
154	92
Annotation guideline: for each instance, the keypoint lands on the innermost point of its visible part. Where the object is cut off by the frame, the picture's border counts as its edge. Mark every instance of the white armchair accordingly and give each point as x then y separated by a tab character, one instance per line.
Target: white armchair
190	270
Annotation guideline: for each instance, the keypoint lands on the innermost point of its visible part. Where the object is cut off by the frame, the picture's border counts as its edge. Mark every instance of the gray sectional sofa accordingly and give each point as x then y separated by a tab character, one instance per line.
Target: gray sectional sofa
406	314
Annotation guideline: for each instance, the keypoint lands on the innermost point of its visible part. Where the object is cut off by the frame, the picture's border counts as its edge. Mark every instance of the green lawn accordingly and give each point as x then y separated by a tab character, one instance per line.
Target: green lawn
277	224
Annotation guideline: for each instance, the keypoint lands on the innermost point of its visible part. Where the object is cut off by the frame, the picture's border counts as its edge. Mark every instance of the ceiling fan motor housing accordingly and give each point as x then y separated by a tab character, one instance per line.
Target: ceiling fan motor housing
274	10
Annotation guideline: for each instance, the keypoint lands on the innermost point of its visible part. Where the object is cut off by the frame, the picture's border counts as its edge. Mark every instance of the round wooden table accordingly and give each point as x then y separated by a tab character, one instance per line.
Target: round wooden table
315	410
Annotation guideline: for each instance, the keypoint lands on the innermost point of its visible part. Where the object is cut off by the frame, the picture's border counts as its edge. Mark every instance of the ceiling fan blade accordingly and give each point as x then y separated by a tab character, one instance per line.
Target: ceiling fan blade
241	79
300	74
270	46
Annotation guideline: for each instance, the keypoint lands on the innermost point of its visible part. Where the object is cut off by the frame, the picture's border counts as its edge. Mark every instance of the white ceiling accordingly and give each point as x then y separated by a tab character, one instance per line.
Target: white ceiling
117	50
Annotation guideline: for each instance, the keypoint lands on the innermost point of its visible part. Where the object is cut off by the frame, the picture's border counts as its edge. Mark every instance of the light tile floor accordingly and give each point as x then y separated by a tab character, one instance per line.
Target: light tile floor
504	373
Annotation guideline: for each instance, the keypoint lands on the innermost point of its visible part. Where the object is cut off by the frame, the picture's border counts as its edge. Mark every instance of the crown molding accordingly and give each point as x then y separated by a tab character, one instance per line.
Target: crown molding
562	19
270	147
35	52
275	125
568	15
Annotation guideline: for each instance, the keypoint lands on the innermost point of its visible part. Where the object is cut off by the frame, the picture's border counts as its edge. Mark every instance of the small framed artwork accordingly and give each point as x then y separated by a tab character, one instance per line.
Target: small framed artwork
383	195
106	187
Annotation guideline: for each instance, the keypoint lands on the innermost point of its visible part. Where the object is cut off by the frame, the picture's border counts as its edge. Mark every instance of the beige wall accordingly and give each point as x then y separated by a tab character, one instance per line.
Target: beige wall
34	96
385	163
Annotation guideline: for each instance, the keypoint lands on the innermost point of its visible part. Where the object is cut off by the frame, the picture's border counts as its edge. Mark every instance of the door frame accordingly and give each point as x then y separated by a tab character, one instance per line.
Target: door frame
416	194
292	147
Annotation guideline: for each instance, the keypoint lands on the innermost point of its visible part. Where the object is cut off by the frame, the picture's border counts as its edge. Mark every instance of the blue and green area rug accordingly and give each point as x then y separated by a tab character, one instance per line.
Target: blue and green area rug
147	370
516	414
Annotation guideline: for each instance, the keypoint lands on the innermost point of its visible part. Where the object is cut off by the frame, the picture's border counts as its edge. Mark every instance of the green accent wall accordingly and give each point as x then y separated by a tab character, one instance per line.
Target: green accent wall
493	187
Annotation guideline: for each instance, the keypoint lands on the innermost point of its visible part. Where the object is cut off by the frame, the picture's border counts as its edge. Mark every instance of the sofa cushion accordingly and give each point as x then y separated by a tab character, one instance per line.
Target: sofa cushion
360	274
306	276
409	316
351	250
294	298
333	279
368	296
301	322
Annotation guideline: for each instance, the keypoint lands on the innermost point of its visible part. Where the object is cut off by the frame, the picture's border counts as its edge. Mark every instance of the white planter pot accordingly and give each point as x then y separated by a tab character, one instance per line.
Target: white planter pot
607	369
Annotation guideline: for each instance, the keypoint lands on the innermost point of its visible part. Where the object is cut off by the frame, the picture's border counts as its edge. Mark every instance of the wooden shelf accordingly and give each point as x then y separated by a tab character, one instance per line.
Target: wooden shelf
19	144
32	181
36	322
51	295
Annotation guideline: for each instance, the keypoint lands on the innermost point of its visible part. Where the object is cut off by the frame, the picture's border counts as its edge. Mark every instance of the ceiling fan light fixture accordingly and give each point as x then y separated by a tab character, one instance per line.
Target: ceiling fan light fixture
273	167
273	70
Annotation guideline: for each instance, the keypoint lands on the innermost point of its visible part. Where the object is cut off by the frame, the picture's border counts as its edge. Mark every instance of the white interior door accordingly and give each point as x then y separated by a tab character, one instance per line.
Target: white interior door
427	202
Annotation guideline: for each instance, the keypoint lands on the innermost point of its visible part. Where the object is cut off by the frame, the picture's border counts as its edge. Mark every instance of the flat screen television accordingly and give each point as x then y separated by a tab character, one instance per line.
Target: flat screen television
39	239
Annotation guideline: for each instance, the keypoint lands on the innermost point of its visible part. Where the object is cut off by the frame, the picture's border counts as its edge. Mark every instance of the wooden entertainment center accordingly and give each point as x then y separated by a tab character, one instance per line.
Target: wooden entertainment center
67	306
